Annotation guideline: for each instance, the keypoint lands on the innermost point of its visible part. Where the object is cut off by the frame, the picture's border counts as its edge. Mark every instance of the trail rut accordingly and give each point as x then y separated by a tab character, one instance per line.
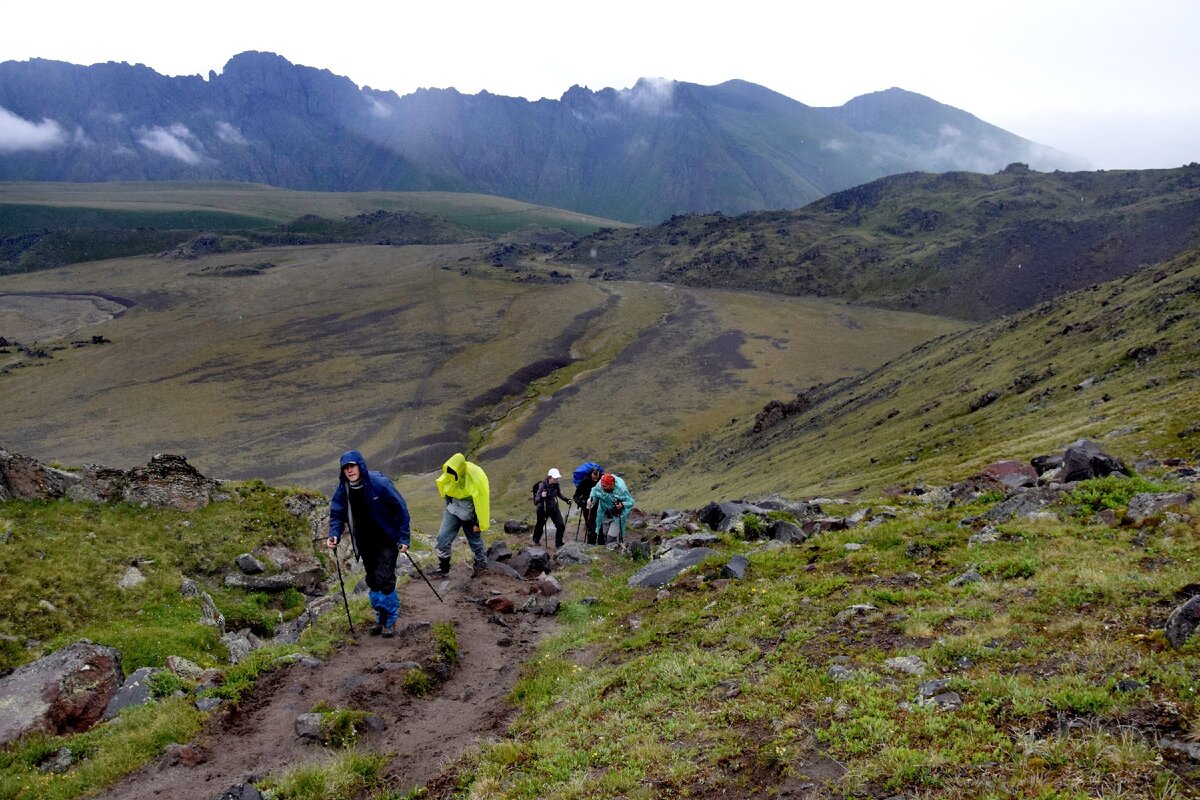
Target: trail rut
257	737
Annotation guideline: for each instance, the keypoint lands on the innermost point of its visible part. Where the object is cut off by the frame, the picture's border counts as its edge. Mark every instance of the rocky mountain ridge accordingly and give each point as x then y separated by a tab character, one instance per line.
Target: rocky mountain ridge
637	154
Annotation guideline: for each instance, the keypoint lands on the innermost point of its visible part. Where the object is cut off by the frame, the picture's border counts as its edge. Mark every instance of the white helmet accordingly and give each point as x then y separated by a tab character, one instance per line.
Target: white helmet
553	473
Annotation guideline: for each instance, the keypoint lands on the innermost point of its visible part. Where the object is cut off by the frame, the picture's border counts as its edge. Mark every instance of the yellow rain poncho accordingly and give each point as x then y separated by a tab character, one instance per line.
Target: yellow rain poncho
471	484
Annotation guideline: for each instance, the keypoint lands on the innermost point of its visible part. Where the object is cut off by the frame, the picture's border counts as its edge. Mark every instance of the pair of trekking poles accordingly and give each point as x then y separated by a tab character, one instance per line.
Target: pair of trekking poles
342	584
582	514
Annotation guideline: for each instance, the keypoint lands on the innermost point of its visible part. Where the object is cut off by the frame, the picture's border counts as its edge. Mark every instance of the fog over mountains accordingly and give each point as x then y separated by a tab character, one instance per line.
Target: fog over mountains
638	154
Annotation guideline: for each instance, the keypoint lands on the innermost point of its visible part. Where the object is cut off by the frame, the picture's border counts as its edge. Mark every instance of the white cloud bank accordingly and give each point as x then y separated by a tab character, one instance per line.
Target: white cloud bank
174	141
229	134
17	133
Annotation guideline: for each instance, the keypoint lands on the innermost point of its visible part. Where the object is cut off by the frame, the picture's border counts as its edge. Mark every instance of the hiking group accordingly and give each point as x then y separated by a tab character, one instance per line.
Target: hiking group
368	506
601	498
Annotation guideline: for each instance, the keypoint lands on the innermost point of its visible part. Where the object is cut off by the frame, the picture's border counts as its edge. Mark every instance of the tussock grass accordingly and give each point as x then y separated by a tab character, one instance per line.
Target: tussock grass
724	687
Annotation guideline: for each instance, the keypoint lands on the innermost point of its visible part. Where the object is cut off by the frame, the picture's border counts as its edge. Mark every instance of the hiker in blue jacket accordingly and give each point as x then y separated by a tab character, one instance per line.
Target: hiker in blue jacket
368	505
611	501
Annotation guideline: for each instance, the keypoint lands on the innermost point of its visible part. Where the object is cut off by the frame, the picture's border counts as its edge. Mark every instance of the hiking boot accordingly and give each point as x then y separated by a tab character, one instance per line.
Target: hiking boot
478	569
375	629
443	570
388	631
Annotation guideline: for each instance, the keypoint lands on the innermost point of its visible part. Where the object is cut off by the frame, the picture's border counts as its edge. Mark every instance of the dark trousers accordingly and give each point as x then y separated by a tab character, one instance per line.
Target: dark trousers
380	565
555	516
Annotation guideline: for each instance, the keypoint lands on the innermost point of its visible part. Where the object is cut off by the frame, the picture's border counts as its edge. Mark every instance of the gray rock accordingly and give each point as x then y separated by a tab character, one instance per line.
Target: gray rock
1084	459
25	478
1190	750
395	666
516	526
289	632
947	701
1025	503
852	546
641	551
168	481
308	727
210	615
374	723
135	691
970	576
502	568
62	760
859	610
721	517
1127	686
132	577
260	583
798	509
910	665
249	565
986	535
239	646
547	606
498	552
241	791
930	689
840	673
1147	505
306	571
786	532
530	562
64	692
572	553
1183	622
663	570
183	668
735	568
188	588
688	541
207	704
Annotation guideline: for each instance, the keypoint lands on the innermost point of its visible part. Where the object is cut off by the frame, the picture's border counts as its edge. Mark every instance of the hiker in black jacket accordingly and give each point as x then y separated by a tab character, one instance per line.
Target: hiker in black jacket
545	497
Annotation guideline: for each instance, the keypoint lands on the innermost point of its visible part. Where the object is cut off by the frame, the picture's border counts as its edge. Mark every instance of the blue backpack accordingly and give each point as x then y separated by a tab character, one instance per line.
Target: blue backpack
583	470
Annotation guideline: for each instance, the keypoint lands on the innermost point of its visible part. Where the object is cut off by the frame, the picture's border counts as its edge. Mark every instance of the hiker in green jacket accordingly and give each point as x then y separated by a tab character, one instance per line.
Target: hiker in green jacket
612	502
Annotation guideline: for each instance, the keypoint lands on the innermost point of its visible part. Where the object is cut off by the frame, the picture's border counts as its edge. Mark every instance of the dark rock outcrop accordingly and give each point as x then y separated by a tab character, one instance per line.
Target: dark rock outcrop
170	481
664	570
1182	622
1084	459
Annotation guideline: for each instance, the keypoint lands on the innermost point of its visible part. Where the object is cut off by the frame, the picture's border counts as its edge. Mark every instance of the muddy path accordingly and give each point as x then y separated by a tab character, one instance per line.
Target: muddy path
257	737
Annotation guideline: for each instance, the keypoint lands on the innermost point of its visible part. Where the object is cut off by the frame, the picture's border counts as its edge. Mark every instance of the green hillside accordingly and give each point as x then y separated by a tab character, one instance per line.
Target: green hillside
1117	362
959	244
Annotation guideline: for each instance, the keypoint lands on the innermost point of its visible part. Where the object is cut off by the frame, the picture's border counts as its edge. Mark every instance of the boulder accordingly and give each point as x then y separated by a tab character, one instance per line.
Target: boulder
169	481
64	692
502	568
548	585
99	484
1024	503
25	478
970	576
135	691
1149	505
688	541
499	552
238	645
313	507
306	571
798	509
911	665
663	570
1084	459
1043	464
249	565
260	583
184	668
210	614
735	568
1183	622
572	553
813	527
308	727
1011	473
132	577
516	526
721	517
787	532
531	562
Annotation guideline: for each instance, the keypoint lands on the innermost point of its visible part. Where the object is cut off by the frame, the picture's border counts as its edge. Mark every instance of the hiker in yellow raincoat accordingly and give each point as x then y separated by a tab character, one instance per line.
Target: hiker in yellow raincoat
464	486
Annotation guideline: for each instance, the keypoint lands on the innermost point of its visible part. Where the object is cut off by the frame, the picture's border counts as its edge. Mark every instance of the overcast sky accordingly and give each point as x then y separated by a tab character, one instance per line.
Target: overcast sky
1114	82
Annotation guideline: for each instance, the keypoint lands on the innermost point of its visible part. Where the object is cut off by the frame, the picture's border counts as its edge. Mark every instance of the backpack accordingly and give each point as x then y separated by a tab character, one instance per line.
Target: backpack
583	470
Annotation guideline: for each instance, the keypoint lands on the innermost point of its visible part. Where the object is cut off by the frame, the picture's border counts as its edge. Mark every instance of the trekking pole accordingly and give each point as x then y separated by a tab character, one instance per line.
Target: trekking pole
422	574
338	561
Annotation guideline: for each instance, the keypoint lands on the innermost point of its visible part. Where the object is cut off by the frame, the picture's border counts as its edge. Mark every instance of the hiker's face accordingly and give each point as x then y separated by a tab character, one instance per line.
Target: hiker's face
352	472
552	480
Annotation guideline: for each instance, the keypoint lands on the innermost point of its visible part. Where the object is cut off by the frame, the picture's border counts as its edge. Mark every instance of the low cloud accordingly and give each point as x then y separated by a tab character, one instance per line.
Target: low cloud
174	142
650	95
17	133
229	134
378	109
834	145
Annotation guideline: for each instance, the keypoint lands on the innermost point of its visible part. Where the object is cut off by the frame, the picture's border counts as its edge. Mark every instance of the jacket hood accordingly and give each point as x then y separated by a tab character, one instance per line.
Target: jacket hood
352	457
458	463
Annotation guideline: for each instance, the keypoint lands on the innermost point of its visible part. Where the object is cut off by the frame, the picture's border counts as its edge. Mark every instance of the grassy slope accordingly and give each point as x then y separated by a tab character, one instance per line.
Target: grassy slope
479	212
911	419
961	244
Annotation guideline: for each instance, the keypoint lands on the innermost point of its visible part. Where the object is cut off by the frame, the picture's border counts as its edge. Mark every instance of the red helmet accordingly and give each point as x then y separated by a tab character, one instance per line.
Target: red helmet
608	482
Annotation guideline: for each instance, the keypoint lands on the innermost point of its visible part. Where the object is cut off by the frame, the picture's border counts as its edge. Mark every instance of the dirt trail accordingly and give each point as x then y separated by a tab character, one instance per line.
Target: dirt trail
257	738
